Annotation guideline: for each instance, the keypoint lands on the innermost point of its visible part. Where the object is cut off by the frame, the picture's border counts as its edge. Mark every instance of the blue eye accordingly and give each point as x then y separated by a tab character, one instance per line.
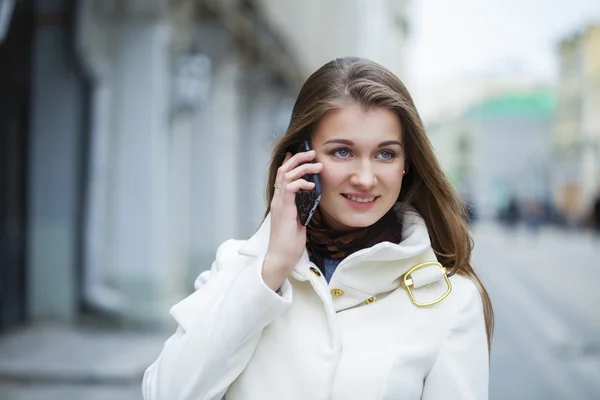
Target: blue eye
342	153
387	155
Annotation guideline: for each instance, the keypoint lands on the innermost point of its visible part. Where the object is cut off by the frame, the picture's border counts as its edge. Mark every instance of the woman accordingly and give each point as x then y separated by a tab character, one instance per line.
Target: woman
337	310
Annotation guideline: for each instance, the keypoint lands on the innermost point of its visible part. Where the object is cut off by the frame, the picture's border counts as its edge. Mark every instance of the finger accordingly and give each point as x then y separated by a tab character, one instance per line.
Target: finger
281	170
288	192
280	173
304	169
297	185
298	159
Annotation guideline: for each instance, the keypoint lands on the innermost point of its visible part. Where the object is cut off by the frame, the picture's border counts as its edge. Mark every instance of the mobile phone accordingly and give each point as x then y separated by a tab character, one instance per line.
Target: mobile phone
307	201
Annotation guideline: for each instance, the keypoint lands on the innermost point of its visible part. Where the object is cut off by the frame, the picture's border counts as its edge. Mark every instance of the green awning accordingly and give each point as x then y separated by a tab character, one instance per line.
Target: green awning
537	103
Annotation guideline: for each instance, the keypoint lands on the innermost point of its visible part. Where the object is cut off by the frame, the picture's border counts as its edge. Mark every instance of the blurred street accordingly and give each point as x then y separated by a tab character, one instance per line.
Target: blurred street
58	363
545	295
546	345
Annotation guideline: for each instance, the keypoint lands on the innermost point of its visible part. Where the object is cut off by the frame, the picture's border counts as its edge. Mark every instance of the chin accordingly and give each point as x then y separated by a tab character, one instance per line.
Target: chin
358	221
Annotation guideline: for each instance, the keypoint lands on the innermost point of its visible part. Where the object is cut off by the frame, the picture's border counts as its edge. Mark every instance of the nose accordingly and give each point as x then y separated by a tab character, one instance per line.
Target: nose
364	176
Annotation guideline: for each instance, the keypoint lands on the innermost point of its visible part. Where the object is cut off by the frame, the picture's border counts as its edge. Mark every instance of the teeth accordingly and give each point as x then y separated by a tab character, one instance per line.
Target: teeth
360	199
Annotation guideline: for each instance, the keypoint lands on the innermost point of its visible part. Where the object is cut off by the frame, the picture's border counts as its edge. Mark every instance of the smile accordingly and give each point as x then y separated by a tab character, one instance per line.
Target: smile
360	199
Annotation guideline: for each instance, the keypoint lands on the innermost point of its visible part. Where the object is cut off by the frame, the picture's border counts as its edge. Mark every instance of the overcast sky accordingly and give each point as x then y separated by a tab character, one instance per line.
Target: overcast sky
456	38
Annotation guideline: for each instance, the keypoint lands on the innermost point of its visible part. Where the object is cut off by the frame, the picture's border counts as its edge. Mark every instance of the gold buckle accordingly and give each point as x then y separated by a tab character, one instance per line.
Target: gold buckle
407	282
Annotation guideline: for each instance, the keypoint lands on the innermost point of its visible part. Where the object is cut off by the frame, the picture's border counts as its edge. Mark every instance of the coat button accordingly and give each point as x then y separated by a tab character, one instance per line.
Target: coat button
315	271
370	300
337	292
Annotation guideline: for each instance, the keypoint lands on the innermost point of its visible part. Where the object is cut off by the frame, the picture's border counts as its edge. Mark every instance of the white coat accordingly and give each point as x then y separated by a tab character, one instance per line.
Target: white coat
358	337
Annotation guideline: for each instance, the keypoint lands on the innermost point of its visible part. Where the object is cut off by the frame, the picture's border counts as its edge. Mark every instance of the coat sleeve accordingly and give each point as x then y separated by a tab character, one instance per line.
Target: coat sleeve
461	370
219	327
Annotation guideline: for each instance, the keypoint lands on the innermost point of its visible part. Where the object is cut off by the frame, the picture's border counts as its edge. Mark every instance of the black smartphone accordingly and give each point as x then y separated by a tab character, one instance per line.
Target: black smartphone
307	201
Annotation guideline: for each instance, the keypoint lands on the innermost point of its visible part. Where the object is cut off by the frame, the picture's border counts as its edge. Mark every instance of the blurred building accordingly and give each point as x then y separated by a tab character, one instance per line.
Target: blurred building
444	101
499	148
136	136
318	31
451	140
576	139
510	149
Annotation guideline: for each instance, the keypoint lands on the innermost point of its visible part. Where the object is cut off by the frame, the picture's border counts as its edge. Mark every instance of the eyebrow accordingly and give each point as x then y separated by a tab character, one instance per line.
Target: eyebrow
351	143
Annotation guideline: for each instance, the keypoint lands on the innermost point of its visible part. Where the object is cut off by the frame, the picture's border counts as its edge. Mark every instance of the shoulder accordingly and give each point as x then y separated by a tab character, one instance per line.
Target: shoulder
228	250
464	305
227	254
464	291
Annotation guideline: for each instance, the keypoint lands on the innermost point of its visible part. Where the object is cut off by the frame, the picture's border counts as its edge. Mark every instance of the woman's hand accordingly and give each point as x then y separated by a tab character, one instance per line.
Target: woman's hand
288	237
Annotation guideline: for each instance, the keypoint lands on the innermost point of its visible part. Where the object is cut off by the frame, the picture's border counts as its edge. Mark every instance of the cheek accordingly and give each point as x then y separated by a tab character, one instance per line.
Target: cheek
392	177
331	176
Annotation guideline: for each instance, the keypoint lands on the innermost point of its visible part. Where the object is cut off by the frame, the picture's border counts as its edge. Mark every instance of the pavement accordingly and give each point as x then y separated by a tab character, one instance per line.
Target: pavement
545	292
69	363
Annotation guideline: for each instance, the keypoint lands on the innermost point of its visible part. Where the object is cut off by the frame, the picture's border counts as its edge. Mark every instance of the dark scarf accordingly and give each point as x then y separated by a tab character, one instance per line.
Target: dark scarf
323	242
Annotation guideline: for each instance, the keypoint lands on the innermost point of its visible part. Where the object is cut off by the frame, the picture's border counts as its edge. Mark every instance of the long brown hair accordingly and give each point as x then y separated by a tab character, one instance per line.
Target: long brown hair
425	187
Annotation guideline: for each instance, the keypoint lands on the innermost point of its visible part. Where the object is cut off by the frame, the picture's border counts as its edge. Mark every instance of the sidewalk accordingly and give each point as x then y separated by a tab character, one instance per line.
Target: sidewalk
69	363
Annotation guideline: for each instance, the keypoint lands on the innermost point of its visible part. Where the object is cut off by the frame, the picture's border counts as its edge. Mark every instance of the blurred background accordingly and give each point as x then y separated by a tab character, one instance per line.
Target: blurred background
135	137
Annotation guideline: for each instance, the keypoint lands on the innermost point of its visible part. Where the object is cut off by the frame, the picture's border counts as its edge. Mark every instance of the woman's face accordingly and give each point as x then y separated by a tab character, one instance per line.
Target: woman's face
363	159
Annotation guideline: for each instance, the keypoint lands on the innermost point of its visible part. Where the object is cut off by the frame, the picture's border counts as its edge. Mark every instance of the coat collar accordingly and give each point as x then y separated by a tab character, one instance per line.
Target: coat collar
368	272
415	237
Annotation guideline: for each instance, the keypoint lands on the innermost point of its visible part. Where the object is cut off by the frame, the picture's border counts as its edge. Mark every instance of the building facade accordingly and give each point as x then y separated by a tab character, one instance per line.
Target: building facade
510	144
576	138
499	148
319	31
